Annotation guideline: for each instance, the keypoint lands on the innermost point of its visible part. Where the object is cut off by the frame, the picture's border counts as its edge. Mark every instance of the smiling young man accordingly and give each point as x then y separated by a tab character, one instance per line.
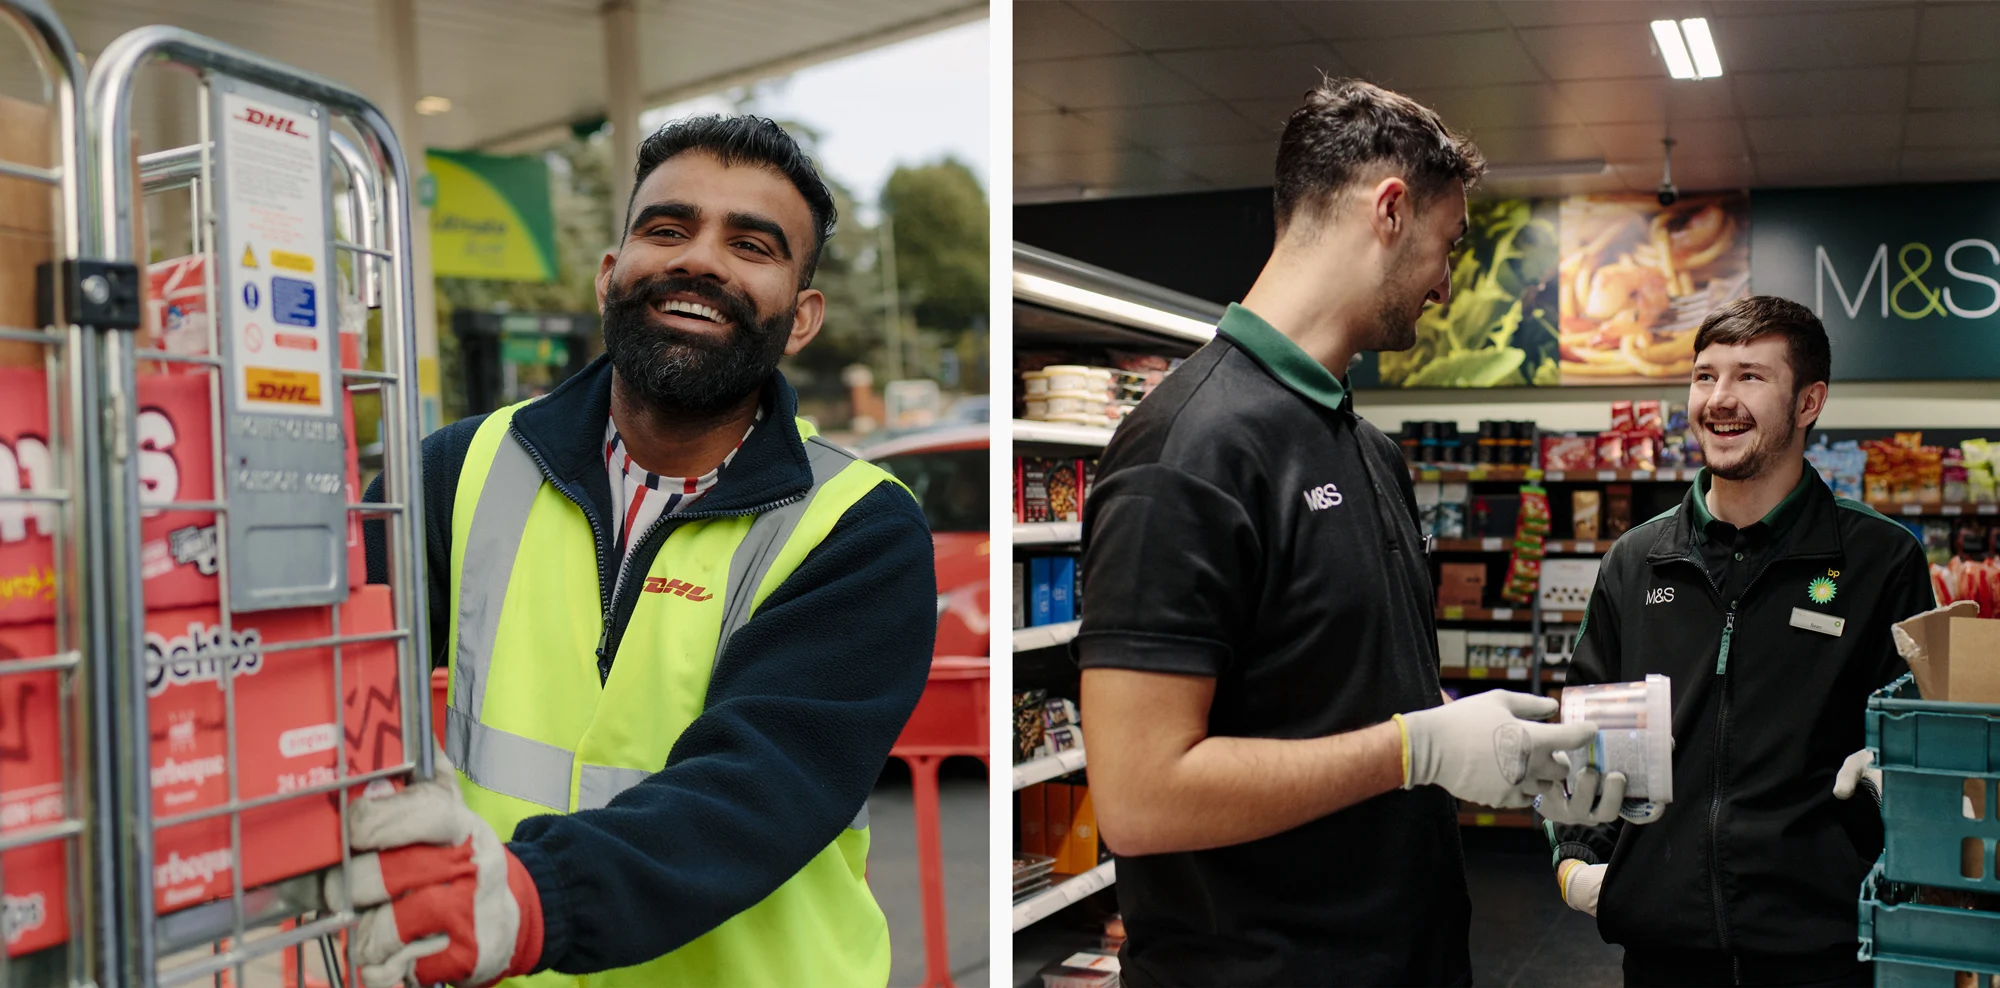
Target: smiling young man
683	631
1270	754
1768	602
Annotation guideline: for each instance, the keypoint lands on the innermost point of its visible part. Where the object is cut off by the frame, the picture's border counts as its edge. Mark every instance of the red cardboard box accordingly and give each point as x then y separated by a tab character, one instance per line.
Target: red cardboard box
285	734
31	794
178	554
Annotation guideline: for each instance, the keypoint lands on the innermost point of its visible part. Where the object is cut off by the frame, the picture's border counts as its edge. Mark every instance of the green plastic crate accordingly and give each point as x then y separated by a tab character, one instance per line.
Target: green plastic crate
1927	750
1897	974
1932	936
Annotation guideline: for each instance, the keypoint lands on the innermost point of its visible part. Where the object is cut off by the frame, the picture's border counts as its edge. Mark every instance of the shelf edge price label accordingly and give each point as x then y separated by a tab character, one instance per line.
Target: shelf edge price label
1454	613
1476	672
1555	475
1913	509
1953	509
1607	475
1503	614
1477	473
1586	547
1489	545
1517	672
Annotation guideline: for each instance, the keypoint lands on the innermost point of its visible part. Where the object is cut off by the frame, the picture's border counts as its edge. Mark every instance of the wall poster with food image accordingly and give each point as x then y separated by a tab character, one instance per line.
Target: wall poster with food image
1638	277
1499	328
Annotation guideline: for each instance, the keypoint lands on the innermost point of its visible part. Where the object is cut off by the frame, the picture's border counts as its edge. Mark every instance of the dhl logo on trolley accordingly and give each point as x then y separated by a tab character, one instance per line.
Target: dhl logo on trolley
271	121
282	386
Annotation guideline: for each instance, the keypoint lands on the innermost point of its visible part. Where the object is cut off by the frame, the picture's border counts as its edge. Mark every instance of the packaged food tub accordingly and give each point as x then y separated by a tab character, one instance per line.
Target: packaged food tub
1634	734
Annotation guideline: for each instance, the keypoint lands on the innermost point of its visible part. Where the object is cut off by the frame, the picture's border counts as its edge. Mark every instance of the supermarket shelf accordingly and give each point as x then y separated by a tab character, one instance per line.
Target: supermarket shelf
1474	815
1060	433
1048	533
1459	674
1046	636
1516	615
1934	509
1463	474
1050	902
1562	547
1043	769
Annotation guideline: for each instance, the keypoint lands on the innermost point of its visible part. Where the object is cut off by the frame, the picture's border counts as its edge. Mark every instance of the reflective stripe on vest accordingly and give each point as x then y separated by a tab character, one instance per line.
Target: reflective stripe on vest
532	770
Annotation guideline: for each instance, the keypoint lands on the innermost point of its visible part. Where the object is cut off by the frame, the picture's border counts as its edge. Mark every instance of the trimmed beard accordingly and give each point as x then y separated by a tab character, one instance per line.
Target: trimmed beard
1759	457
682	374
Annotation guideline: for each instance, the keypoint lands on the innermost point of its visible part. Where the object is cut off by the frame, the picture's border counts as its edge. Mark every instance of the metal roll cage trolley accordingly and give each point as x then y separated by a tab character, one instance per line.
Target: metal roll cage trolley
281	514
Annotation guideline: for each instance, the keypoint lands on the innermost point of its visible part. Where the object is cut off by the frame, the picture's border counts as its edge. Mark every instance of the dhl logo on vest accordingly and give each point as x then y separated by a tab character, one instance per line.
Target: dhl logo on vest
679	588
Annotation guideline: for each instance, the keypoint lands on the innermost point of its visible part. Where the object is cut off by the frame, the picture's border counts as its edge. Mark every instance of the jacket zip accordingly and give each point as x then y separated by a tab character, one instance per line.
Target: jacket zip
1717	749
608	592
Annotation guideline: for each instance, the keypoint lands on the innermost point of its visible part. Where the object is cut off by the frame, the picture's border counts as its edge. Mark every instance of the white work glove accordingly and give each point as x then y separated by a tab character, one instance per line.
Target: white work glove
1858	771
1591	798
1580	884
1487	749
450	903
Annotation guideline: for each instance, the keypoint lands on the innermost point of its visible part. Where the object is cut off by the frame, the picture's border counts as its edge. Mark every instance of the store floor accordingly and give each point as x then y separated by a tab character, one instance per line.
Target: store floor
1522	934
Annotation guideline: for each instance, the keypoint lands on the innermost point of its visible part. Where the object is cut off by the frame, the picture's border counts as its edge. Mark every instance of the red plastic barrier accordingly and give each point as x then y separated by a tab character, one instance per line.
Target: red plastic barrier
950	719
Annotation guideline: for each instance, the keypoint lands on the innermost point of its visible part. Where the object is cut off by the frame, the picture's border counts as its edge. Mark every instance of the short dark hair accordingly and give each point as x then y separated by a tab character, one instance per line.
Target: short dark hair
1347	125
736	140
1757	316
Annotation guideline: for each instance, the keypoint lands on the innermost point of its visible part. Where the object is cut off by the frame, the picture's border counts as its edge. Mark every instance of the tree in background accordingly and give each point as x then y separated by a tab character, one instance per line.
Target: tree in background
938	214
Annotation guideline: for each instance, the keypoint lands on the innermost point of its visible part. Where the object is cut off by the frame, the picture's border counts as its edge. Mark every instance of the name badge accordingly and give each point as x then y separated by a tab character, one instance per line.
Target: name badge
1825	624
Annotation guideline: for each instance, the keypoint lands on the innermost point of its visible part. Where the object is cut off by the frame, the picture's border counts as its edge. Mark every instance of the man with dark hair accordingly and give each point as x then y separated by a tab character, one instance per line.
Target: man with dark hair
763	600
1768	601
1270	754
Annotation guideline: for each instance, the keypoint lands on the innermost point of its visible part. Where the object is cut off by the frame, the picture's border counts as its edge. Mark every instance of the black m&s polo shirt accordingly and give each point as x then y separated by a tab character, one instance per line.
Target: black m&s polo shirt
1248	526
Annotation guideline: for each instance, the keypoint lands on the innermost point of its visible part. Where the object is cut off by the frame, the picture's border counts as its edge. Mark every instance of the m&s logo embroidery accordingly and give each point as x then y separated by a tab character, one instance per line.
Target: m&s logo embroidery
679	588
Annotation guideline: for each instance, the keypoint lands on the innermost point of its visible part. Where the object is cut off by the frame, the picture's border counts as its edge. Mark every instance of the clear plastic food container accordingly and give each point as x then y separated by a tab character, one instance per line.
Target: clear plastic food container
1035	382
1635	734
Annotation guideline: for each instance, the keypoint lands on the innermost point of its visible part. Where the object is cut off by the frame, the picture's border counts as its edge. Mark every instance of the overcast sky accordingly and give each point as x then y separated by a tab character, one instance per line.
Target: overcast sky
912	102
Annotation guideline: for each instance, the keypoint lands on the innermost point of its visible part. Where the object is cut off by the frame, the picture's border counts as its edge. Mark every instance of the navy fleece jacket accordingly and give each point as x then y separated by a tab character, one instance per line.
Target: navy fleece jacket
802	706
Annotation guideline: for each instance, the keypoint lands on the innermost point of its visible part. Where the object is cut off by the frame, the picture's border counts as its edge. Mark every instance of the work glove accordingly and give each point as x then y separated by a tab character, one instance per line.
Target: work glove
1580	884
1858	771
1591	797
445	901
1482	749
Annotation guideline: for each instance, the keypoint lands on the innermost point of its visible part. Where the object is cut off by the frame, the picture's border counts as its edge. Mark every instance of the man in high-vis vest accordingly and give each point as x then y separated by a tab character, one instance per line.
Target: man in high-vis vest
683	631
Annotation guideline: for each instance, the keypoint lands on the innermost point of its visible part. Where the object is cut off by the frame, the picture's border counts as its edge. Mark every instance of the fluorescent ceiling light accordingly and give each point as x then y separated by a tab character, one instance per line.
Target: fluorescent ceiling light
431	106
1704	63
1549	169
1673	49
1707	64
1084	301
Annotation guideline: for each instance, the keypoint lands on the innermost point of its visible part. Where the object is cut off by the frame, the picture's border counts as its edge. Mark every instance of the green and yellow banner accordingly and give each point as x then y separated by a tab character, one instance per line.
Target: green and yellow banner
492	217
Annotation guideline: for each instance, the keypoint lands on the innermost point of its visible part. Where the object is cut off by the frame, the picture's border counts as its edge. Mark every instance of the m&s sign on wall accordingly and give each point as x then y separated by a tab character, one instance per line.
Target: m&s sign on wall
1906	277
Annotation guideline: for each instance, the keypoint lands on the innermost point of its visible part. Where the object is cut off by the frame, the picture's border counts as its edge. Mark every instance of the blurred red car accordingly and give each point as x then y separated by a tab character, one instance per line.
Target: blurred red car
946	469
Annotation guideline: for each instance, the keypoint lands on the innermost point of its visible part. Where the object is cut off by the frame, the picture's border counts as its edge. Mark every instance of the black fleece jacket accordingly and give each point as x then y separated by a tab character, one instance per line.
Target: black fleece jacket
802	707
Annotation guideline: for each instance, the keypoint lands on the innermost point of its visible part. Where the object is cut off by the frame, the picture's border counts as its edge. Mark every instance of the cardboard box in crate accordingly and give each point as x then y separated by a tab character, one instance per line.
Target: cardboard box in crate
36	899
285	734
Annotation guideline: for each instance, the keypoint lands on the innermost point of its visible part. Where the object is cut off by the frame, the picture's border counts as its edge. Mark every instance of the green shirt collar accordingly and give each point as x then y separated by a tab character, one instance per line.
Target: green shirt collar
1283	358
1778	519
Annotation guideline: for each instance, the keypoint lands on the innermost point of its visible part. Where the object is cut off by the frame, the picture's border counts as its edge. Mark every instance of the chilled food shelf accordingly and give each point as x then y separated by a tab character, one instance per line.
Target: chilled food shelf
1052	901
1048	767
1046	636
1048	533
1060	434
1516	615
1935	508
1465	474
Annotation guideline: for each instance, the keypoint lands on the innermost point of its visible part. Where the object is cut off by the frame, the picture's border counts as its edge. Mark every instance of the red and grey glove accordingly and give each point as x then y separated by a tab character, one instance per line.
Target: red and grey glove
445	901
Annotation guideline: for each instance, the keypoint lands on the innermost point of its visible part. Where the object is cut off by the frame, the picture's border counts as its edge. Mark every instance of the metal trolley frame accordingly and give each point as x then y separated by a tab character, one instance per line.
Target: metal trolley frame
159	950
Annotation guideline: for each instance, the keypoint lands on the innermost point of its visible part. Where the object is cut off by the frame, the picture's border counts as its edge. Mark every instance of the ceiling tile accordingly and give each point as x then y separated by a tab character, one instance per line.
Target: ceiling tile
1692	139
1833	39
1950	165
1595	51
1955	32
1047	29
1286	72
1952	129
1830	136
1040	133
1564	185
1166	25
1268	114
1782	94
1440	61
1104	80
1874	166
1394	18
1027	102
1473	107
1798	8
1950	86
1103	171
1548	13
1228	165
1534	145
1179	124
1690	174
1649	100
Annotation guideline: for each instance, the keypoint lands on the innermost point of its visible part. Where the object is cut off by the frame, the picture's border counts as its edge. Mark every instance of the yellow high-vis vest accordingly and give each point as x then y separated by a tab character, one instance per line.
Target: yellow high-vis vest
533	730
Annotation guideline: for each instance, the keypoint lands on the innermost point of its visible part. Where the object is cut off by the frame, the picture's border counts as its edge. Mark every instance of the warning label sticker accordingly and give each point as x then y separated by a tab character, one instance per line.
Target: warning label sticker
273	158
